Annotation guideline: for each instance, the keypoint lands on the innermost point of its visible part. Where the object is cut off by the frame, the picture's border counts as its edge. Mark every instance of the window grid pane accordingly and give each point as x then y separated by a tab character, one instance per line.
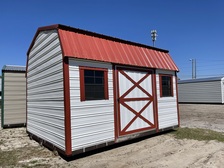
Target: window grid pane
94	84
166	86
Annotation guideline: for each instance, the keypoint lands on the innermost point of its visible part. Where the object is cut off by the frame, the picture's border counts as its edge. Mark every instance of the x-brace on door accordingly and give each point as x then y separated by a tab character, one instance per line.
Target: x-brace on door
135	106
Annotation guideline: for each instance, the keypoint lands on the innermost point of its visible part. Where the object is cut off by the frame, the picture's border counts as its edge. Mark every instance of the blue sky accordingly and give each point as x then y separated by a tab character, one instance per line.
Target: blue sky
187	28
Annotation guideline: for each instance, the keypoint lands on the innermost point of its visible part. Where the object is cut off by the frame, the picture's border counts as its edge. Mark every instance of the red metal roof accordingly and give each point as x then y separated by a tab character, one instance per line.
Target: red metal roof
83	44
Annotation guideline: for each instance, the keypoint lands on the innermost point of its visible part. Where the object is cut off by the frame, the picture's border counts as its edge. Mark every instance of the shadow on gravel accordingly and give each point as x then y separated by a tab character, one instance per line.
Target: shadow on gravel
113	146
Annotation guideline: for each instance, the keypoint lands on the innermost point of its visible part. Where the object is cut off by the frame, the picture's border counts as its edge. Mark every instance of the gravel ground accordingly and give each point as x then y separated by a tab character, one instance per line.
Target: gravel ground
17	150
202	116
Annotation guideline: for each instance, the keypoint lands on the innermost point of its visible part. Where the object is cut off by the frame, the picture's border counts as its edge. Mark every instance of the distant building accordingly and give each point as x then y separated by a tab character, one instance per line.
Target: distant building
204	90
13	109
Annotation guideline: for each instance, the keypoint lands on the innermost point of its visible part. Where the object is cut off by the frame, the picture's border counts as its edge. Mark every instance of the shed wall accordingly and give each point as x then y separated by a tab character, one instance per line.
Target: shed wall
167	106
92	122
200	92
45	96
14	98
222	89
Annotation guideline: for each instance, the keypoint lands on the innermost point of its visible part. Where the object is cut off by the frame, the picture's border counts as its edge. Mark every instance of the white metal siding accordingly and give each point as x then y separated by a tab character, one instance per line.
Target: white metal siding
222	89
167	106
45	98
200	92
92	122
14	98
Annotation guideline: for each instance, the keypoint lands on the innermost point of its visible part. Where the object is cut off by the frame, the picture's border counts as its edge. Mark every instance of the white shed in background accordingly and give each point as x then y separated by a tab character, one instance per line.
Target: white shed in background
204	90
87	90
13	106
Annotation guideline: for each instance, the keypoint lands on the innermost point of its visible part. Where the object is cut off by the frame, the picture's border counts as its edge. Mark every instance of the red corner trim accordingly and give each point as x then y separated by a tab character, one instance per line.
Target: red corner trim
67	108
154	92
68	146
178	111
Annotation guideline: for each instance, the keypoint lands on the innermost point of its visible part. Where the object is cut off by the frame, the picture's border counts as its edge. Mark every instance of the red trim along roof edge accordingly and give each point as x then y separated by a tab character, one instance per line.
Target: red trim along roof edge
93	34
86	32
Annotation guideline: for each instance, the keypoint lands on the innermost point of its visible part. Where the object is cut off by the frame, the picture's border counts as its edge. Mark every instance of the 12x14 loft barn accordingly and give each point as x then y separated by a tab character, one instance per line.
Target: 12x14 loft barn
204	90
13	108
86	90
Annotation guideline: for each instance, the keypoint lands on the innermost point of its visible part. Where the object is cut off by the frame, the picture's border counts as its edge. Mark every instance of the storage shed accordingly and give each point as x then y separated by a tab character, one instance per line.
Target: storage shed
13	109
204	90
87	90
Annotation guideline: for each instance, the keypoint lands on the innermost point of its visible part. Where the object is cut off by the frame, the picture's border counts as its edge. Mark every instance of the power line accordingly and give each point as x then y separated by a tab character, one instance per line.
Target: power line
199	76
199	64
211	60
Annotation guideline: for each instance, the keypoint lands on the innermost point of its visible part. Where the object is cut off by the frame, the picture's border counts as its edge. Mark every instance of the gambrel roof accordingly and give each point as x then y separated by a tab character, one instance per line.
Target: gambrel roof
88	45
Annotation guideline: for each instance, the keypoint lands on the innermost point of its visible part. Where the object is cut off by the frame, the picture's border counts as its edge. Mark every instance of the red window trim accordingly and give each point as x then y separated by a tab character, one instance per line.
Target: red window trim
160	83
82	82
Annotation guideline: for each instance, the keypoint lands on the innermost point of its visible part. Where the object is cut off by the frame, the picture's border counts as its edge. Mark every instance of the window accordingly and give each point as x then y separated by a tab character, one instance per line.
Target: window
166	89
93	83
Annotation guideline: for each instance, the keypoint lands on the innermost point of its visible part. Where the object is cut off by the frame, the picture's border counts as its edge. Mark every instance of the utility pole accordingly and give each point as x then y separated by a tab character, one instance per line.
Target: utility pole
153	35
193	68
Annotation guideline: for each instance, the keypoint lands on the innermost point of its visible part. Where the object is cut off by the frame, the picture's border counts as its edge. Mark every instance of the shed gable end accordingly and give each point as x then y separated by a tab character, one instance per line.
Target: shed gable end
45	100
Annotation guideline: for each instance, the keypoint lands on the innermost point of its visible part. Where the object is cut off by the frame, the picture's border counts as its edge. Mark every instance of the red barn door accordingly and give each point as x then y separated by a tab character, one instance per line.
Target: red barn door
135	102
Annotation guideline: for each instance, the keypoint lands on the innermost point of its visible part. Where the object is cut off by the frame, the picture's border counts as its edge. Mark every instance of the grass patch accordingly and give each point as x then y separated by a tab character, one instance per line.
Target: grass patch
37	165
12	158
198	134
8	158
34	161
1	142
